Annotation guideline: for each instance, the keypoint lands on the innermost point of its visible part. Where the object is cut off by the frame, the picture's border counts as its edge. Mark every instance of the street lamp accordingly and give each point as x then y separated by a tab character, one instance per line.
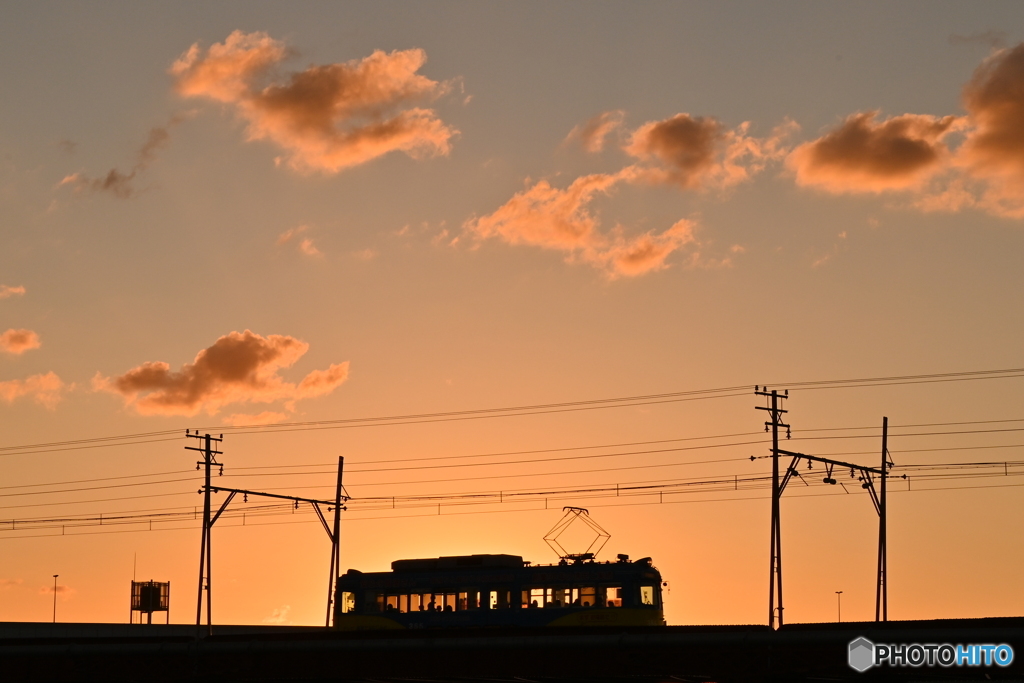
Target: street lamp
55	597
839	599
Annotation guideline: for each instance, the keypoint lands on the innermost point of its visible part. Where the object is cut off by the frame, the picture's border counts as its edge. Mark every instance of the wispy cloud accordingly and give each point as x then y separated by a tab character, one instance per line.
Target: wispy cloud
45	389
328	117
551	218
591	135
121	184
279	615
240	367
305	244
7	291
18	342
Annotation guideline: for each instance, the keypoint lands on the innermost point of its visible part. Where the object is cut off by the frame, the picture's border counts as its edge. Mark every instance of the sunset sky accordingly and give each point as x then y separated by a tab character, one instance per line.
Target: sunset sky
232	216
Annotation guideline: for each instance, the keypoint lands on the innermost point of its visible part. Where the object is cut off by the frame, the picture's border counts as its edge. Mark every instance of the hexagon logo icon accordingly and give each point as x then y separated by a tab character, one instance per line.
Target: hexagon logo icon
861	654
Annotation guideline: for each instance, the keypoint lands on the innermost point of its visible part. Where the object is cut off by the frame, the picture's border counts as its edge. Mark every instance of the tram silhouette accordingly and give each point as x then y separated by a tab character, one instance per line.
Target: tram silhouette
504	590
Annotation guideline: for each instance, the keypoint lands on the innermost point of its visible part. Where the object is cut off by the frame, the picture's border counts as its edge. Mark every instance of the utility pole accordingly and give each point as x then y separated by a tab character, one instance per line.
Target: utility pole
55	597
205	560
839	605
776	412
882	589
335	543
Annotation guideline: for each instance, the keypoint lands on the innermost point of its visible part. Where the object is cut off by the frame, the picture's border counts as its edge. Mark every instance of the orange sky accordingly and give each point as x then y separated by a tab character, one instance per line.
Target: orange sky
257	216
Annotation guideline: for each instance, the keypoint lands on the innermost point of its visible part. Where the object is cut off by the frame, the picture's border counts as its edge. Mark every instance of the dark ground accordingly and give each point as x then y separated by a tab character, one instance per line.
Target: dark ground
797	652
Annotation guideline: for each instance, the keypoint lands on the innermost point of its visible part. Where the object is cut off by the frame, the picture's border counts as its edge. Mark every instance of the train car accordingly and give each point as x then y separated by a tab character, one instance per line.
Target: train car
500	591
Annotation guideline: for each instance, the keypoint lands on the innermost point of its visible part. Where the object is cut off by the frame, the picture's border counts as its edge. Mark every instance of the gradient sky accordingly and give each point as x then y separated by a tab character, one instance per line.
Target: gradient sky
247	213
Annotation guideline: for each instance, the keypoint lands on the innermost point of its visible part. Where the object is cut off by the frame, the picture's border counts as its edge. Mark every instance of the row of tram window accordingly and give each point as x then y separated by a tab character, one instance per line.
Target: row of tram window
532	598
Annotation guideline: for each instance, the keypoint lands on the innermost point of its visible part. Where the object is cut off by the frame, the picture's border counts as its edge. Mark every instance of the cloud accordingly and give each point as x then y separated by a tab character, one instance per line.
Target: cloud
19	341
46	390
991	38
305	245
327	117
65	592
697	152
267	417
279	616
240	367
993	151
120	183
547	217
865	155
7	291
591	135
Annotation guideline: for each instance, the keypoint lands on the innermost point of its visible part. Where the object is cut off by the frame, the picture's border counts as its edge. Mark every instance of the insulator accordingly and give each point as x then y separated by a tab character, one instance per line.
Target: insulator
296	505
766	428
245	497
197	466
809	465
852	475
865	485
221	473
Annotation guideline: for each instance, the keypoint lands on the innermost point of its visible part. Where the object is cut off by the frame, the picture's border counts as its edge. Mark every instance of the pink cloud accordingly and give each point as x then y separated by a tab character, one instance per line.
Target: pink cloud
46	390
865	155
19	341
327	117
7	291
240	367
696	152
591	135
550	218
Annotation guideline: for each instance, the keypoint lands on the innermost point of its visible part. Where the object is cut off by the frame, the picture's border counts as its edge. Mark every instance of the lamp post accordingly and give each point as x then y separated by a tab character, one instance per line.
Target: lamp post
839	605
55	597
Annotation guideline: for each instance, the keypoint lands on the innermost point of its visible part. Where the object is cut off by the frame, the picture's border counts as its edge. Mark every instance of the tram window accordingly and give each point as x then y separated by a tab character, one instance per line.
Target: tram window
537	597
500	599
588	597
646	595
526	599
469	600
374	602
561	597
348	602
430	602
613	597
392	604
416	603
449	602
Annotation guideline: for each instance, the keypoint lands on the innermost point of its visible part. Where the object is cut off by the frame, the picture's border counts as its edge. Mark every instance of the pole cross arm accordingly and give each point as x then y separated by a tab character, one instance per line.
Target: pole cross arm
829	461
298	499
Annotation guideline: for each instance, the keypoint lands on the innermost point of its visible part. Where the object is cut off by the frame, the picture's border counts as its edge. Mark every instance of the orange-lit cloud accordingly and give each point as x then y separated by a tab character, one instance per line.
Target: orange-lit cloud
865	155
994	149
305	245
7	291
327	117
591	135
241	367
547	217
46	390
267	417
19	341
696	152
120	183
